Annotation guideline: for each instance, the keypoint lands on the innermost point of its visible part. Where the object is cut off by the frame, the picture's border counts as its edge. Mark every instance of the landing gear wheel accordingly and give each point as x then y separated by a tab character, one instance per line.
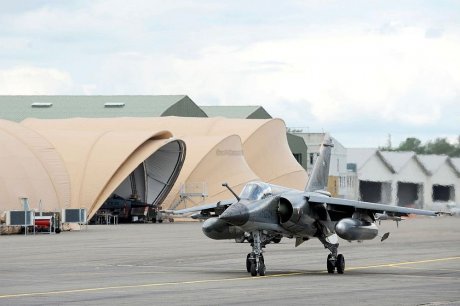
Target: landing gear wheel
340	264
261	266
262	269
276	240
253	268
248	262
330	264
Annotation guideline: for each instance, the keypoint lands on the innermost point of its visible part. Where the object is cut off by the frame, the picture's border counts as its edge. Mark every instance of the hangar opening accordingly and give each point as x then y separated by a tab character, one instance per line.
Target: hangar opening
409	194
139	197
443	193
378	192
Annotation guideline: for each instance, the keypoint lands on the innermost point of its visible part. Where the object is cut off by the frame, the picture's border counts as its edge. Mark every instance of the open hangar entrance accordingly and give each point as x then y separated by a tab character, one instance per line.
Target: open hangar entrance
141	193
377	192
443	193
409	194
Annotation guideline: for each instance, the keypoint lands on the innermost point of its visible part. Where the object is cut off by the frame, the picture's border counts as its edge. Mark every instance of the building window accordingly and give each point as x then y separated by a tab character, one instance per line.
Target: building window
298	157
312	158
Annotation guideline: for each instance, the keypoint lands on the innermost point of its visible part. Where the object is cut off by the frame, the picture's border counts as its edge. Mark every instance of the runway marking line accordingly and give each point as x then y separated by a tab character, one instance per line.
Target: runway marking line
425	269
398	264
6	296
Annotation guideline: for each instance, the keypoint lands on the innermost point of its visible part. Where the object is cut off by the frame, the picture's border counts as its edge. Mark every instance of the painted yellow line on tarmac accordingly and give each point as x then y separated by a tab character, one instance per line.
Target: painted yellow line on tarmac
204	281
404	263
425	269
146	285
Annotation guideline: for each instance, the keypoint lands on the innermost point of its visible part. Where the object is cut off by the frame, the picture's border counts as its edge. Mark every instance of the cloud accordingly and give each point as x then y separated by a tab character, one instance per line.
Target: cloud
326	79
403	77
34	81
324	64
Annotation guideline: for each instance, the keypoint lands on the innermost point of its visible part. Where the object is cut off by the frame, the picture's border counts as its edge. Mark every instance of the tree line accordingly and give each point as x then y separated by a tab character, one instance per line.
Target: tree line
437	146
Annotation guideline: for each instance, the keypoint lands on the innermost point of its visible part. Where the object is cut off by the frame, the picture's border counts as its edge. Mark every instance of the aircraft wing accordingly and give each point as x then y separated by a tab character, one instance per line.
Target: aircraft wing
373	207
206	210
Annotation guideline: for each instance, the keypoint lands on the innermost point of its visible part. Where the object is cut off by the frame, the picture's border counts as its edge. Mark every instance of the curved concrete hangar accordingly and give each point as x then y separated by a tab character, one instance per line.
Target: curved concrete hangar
97	163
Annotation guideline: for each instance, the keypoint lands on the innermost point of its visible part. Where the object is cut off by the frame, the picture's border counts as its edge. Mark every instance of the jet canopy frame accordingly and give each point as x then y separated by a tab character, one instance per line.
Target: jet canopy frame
254	191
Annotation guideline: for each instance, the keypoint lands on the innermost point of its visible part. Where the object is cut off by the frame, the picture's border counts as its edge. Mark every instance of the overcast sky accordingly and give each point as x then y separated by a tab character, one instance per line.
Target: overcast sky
358	69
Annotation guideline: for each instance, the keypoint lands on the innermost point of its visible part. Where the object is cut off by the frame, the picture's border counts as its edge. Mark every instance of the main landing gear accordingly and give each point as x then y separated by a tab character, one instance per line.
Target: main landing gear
337	263
255	260
334	261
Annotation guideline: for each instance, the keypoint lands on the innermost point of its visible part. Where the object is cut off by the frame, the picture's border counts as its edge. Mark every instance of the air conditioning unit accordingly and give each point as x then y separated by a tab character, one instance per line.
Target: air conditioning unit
74	215
20	218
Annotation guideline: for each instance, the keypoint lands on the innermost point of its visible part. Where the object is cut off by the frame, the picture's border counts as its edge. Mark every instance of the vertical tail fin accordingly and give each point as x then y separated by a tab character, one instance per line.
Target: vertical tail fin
320	174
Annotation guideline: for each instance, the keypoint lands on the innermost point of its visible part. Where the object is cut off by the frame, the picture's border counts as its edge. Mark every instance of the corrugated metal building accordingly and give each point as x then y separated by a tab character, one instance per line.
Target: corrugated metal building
18	108
405	178
443	183
239	112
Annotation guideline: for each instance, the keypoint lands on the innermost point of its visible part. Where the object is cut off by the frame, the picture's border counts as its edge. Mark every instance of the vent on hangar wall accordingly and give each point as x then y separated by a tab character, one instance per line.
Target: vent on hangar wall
41	104
114	104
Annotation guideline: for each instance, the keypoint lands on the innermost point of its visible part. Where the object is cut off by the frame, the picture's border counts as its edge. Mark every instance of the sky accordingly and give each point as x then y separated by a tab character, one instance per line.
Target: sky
360	70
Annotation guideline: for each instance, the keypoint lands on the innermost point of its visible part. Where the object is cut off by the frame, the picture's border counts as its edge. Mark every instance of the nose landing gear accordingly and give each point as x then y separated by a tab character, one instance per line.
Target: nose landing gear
255	263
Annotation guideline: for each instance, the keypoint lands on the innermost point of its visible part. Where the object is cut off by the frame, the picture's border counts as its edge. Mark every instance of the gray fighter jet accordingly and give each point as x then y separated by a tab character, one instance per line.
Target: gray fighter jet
265	213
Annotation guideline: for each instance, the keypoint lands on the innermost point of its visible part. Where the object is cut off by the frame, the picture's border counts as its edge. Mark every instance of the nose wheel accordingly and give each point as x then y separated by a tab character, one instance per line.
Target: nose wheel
335	263
255	264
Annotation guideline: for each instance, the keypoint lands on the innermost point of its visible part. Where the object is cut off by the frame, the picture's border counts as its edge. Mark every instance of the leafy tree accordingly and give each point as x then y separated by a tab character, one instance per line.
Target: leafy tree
411	144
456	152
439	146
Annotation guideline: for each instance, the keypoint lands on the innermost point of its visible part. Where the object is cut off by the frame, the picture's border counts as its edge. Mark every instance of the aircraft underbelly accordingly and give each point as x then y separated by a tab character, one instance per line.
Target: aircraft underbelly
260	226
301	229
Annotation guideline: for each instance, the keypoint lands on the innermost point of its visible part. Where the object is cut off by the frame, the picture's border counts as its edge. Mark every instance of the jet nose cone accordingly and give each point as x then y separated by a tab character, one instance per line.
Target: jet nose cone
237	214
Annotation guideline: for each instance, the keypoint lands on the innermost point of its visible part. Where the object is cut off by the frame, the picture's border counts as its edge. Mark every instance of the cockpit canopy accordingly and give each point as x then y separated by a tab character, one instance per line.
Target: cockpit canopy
255	191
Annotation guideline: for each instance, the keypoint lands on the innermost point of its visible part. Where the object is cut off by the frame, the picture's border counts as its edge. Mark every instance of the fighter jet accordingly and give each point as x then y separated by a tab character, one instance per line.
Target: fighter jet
264	213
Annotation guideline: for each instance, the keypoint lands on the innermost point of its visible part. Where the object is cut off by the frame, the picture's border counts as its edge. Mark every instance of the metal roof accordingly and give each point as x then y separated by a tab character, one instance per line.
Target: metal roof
17	108
455	162
359	156
397	160
296	143
240	112
298	146
432	163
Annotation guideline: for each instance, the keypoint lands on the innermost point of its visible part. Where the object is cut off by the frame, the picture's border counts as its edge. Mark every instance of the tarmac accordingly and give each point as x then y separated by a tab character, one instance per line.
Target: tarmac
175	264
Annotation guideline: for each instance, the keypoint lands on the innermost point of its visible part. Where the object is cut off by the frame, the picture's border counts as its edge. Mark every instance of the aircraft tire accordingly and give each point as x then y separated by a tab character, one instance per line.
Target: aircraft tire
276	240
253	269
330	265
340	264
248	263
261	268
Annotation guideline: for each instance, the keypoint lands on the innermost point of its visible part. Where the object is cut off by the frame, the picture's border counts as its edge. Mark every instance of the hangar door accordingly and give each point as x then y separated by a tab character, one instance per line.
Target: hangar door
152	179
443	193
377	192
410	194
